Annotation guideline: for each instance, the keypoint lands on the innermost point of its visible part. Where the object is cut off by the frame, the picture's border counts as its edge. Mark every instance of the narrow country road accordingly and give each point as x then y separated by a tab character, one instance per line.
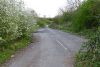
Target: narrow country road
54	49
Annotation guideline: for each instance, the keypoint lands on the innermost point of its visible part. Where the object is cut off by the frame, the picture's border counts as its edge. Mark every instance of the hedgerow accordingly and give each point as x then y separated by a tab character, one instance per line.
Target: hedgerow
15	21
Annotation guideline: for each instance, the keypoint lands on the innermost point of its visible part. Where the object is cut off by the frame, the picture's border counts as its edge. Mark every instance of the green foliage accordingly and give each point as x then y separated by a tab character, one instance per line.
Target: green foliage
66	16
62	21
15	21
16	26
89	56
42	22
86	20
13	46
86	16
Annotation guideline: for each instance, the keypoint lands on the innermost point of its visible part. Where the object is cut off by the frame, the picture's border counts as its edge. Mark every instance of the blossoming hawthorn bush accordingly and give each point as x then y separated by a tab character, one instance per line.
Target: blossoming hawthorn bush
15	21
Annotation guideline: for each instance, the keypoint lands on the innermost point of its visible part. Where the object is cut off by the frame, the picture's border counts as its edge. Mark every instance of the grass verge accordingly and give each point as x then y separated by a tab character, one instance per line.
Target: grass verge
13	47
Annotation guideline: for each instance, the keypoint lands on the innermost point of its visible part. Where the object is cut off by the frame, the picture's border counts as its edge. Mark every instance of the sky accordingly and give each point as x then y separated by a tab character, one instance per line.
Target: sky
47	8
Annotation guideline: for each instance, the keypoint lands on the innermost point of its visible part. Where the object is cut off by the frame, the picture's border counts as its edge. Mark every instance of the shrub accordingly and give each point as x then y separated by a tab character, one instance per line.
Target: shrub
86	16
15	21
42	22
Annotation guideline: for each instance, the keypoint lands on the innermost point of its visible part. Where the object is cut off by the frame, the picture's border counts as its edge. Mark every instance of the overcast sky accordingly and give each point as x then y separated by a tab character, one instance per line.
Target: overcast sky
48	8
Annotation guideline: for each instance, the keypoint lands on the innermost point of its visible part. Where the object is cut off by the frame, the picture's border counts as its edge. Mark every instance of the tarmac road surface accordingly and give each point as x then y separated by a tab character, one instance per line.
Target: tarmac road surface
54	49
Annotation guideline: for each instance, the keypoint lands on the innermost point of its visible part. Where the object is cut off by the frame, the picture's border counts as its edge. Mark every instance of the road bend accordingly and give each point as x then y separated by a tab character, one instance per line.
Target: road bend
53	49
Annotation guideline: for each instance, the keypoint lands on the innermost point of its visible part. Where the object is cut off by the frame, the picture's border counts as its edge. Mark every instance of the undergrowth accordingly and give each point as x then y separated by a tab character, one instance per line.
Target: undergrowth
15	45
89	55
